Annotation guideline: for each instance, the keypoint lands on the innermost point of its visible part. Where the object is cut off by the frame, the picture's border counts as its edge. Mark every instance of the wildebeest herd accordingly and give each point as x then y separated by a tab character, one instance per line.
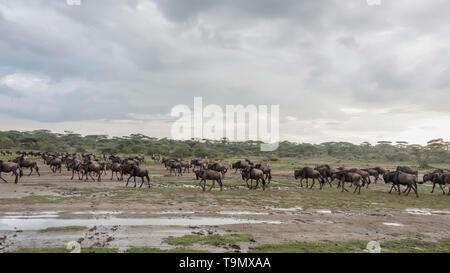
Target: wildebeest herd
94	166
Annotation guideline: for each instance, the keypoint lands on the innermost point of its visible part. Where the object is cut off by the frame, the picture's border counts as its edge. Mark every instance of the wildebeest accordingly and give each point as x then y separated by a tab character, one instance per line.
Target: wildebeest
326	172
206	174
365	176
7	167
350	177
240	165
398	178
439	177
218	168
74	165
306	173
92	167
253	173
141	172
408	170
115	169
27	163
266	170
372	172
55	164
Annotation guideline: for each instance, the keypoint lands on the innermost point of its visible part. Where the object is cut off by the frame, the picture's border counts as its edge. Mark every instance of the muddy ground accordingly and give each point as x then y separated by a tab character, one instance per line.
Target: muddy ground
116	216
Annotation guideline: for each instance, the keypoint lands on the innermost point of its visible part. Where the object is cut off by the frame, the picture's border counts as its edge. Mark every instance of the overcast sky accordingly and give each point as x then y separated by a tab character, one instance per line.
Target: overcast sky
340	70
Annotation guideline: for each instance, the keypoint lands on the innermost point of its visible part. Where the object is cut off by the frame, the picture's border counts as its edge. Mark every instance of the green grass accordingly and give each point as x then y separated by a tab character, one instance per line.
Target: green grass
65	228
312	247
64	250
36	199
212	239
416	246
145	249
356	246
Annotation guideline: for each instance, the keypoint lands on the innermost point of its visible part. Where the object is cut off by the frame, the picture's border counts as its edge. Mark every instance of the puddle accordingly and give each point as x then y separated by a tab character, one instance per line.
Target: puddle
27	223
28	215
284	209
323	211
394	224
242	213
427	212
97	212
418	211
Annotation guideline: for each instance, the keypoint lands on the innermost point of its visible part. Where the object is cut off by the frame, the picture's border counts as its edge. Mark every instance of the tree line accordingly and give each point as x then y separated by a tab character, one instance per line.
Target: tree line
47	141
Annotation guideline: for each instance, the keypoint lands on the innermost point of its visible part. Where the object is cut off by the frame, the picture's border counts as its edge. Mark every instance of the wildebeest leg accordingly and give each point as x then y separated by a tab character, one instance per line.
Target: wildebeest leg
393	186
399	191
3	178
112	175
134	177
409	189
212	185
257	183
37	170
246	182
90	174
73	173
434	185
128	180
17	177
220	183
142	182
31	171
204	184
405	190
99	176
314	182
301	182
443	191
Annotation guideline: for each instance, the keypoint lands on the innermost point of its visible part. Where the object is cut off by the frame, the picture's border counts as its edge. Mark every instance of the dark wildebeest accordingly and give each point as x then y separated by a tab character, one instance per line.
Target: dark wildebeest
326	172
55	164
27	163
7	167
373	172
126	168
253	173
185	165
92	167
408	170
139	172
218	168
115	168
206	174
438	177
398	178
306	173
365	176
266	170
174	166
75	166
350	177
240	165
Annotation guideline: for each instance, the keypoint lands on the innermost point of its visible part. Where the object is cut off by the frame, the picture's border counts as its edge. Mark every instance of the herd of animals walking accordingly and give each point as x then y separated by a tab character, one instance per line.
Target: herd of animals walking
94	166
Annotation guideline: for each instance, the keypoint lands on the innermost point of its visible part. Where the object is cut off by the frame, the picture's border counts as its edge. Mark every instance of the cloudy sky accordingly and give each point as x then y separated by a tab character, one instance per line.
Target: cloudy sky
340	70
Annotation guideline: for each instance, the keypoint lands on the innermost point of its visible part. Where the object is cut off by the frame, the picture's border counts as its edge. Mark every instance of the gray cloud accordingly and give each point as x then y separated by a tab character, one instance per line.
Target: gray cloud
321	61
